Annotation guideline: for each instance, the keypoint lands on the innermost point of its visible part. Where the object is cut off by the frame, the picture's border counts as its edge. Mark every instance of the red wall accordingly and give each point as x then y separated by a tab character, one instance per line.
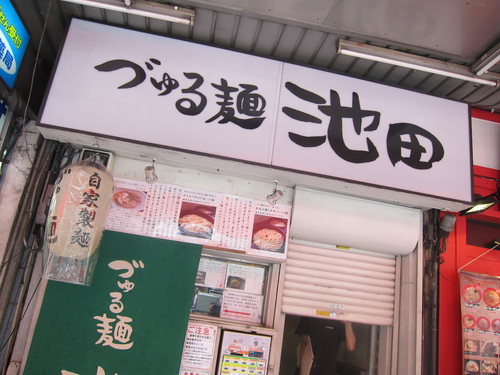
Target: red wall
457	255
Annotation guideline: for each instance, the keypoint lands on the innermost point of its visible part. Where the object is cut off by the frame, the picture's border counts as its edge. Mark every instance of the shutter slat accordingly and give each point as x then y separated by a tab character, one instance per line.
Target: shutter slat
342	268
348	290
340	254
338	298
339	284
332	260
320	276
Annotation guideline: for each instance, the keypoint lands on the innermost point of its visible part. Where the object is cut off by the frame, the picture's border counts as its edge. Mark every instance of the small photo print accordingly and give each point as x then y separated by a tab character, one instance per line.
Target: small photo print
196	220
235	282
269	233
471	367
129	199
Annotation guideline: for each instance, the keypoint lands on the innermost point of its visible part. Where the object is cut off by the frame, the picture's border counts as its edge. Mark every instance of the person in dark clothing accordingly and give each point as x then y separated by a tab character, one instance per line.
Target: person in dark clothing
326	336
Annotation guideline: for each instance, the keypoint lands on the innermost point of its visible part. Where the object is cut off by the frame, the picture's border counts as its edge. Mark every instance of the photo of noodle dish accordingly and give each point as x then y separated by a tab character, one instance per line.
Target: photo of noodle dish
469	321
490	349
489	367
483	323
471	367
196	221
491	297
495	325
129	199
471	346
472	294
269	234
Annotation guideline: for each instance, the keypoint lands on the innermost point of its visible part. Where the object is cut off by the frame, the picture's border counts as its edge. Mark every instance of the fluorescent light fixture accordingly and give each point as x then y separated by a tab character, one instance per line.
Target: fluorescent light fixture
486	61
407	60
481	204
164	12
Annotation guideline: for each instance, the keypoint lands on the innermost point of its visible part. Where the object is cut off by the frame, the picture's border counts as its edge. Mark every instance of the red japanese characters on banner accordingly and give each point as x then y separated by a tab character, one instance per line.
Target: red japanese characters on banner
75	222
480	302
199	349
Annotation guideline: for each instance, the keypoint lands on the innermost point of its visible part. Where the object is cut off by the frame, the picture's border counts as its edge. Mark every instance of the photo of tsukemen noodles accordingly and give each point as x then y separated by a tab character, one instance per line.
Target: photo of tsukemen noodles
196	220
269	233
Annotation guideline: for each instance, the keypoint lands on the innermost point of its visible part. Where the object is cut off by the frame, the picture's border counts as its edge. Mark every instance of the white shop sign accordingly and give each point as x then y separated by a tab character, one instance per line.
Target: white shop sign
164	92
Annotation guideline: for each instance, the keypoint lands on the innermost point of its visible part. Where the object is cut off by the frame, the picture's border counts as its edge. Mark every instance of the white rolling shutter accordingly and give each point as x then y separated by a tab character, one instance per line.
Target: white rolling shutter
333	219
339	284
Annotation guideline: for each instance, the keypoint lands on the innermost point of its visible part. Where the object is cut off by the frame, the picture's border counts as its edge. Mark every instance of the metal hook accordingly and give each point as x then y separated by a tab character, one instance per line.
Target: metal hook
151	176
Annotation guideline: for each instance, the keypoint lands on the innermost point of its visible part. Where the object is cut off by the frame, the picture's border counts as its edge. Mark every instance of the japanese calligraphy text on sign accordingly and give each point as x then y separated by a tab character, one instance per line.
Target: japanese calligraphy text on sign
248	108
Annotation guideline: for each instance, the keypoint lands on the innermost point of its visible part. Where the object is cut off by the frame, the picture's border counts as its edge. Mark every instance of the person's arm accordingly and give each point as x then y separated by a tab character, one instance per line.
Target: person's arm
303	344
350	338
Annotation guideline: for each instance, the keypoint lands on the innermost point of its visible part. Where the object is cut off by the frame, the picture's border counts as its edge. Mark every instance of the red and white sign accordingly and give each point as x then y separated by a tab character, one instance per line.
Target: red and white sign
199	349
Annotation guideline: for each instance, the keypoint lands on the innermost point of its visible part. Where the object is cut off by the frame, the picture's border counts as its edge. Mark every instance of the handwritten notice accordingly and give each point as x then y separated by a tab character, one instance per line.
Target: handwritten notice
199	348
243	307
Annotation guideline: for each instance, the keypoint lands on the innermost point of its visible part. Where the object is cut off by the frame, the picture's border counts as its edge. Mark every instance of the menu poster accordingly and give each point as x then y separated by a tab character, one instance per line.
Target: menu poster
244	353
199	348
201	217
480	304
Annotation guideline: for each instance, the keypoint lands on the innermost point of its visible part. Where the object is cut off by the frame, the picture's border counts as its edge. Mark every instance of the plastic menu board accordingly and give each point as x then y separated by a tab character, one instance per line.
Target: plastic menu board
480	303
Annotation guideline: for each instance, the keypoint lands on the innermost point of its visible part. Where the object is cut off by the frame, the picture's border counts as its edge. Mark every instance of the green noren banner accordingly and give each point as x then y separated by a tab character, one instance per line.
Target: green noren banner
131	320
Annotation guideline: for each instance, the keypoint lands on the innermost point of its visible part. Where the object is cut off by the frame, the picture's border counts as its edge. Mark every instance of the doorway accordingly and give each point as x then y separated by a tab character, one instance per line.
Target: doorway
361	361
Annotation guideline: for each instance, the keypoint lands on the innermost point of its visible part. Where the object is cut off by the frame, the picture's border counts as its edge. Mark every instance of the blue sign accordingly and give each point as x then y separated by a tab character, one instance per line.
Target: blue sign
13	41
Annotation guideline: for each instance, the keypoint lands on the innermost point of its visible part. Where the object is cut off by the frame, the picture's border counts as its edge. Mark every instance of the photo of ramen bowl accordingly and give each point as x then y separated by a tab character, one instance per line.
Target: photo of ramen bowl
469	321
196	223
235	282
472	294
129	199
483	323
472	367
268	237
495	325
491	297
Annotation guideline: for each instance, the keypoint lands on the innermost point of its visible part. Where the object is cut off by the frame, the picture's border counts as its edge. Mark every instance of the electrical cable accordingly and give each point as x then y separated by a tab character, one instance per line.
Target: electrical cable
33	73
496	242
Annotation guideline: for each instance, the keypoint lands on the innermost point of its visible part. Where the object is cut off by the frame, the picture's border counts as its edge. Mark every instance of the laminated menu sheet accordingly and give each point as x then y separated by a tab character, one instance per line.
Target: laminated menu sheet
480	302
208	218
